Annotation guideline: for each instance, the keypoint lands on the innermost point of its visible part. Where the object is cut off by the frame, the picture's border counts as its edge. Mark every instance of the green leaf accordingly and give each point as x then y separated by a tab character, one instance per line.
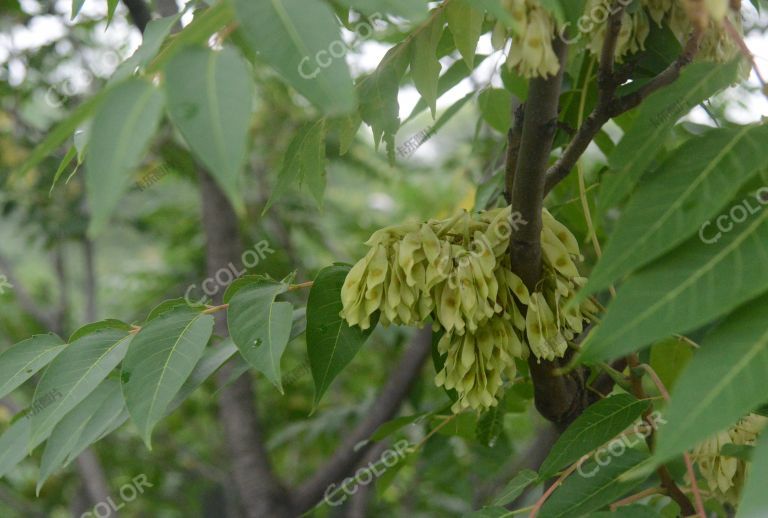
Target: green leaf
62	131
23	360
65	436
261	327
515	487
689	188
331	342
161	358
71	154
684	290
14	445
152	39
496	108
110	416
490	425
378	93
413	10
76	6
593	487
668	359
205	23
425	67
297	38
754	499
120	134
466	25
655	118
209	100
73	375
304	162
727	374
212	360
450	78
597	425
111	6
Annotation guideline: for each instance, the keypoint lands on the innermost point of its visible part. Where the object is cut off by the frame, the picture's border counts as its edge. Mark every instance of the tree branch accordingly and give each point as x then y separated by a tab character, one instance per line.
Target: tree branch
609	106
346	457
539	126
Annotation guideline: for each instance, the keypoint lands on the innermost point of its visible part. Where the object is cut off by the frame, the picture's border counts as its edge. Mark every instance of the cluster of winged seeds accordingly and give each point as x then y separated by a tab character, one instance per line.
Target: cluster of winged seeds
531	53
725	476
458	273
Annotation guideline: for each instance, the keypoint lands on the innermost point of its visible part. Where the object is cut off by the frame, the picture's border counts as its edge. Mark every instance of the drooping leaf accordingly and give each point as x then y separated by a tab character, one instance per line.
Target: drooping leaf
692	186
593	487
120	133
378	92
515	487
159	361
425	67
73	375
669	358
597	425
152	39
496	108
726	374
110	416
304	162
490	425
466	25
656	116
111	6
71	154
65	435
76	6
212	360
25	359
331	342
684	289
209	100
14	445
62	131
260	326
300	40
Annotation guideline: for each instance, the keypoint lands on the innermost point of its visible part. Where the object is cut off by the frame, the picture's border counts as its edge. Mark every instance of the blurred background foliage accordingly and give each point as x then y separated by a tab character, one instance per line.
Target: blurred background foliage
154	250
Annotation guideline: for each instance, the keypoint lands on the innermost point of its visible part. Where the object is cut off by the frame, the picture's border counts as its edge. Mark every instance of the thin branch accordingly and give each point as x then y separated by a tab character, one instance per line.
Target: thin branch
540	502
667	482
385	407
687	458
608	108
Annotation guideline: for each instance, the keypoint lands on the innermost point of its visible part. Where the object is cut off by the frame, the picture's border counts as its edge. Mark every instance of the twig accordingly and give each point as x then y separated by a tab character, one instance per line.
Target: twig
540	502
609	107
688	464
634	498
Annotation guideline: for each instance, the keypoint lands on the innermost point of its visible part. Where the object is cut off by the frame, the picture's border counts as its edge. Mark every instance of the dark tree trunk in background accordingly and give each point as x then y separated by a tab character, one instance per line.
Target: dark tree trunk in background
261	494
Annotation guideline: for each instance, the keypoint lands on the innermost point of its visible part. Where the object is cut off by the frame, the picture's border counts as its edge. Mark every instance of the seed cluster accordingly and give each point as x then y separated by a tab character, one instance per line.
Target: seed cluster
458	273
725	476
531	53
